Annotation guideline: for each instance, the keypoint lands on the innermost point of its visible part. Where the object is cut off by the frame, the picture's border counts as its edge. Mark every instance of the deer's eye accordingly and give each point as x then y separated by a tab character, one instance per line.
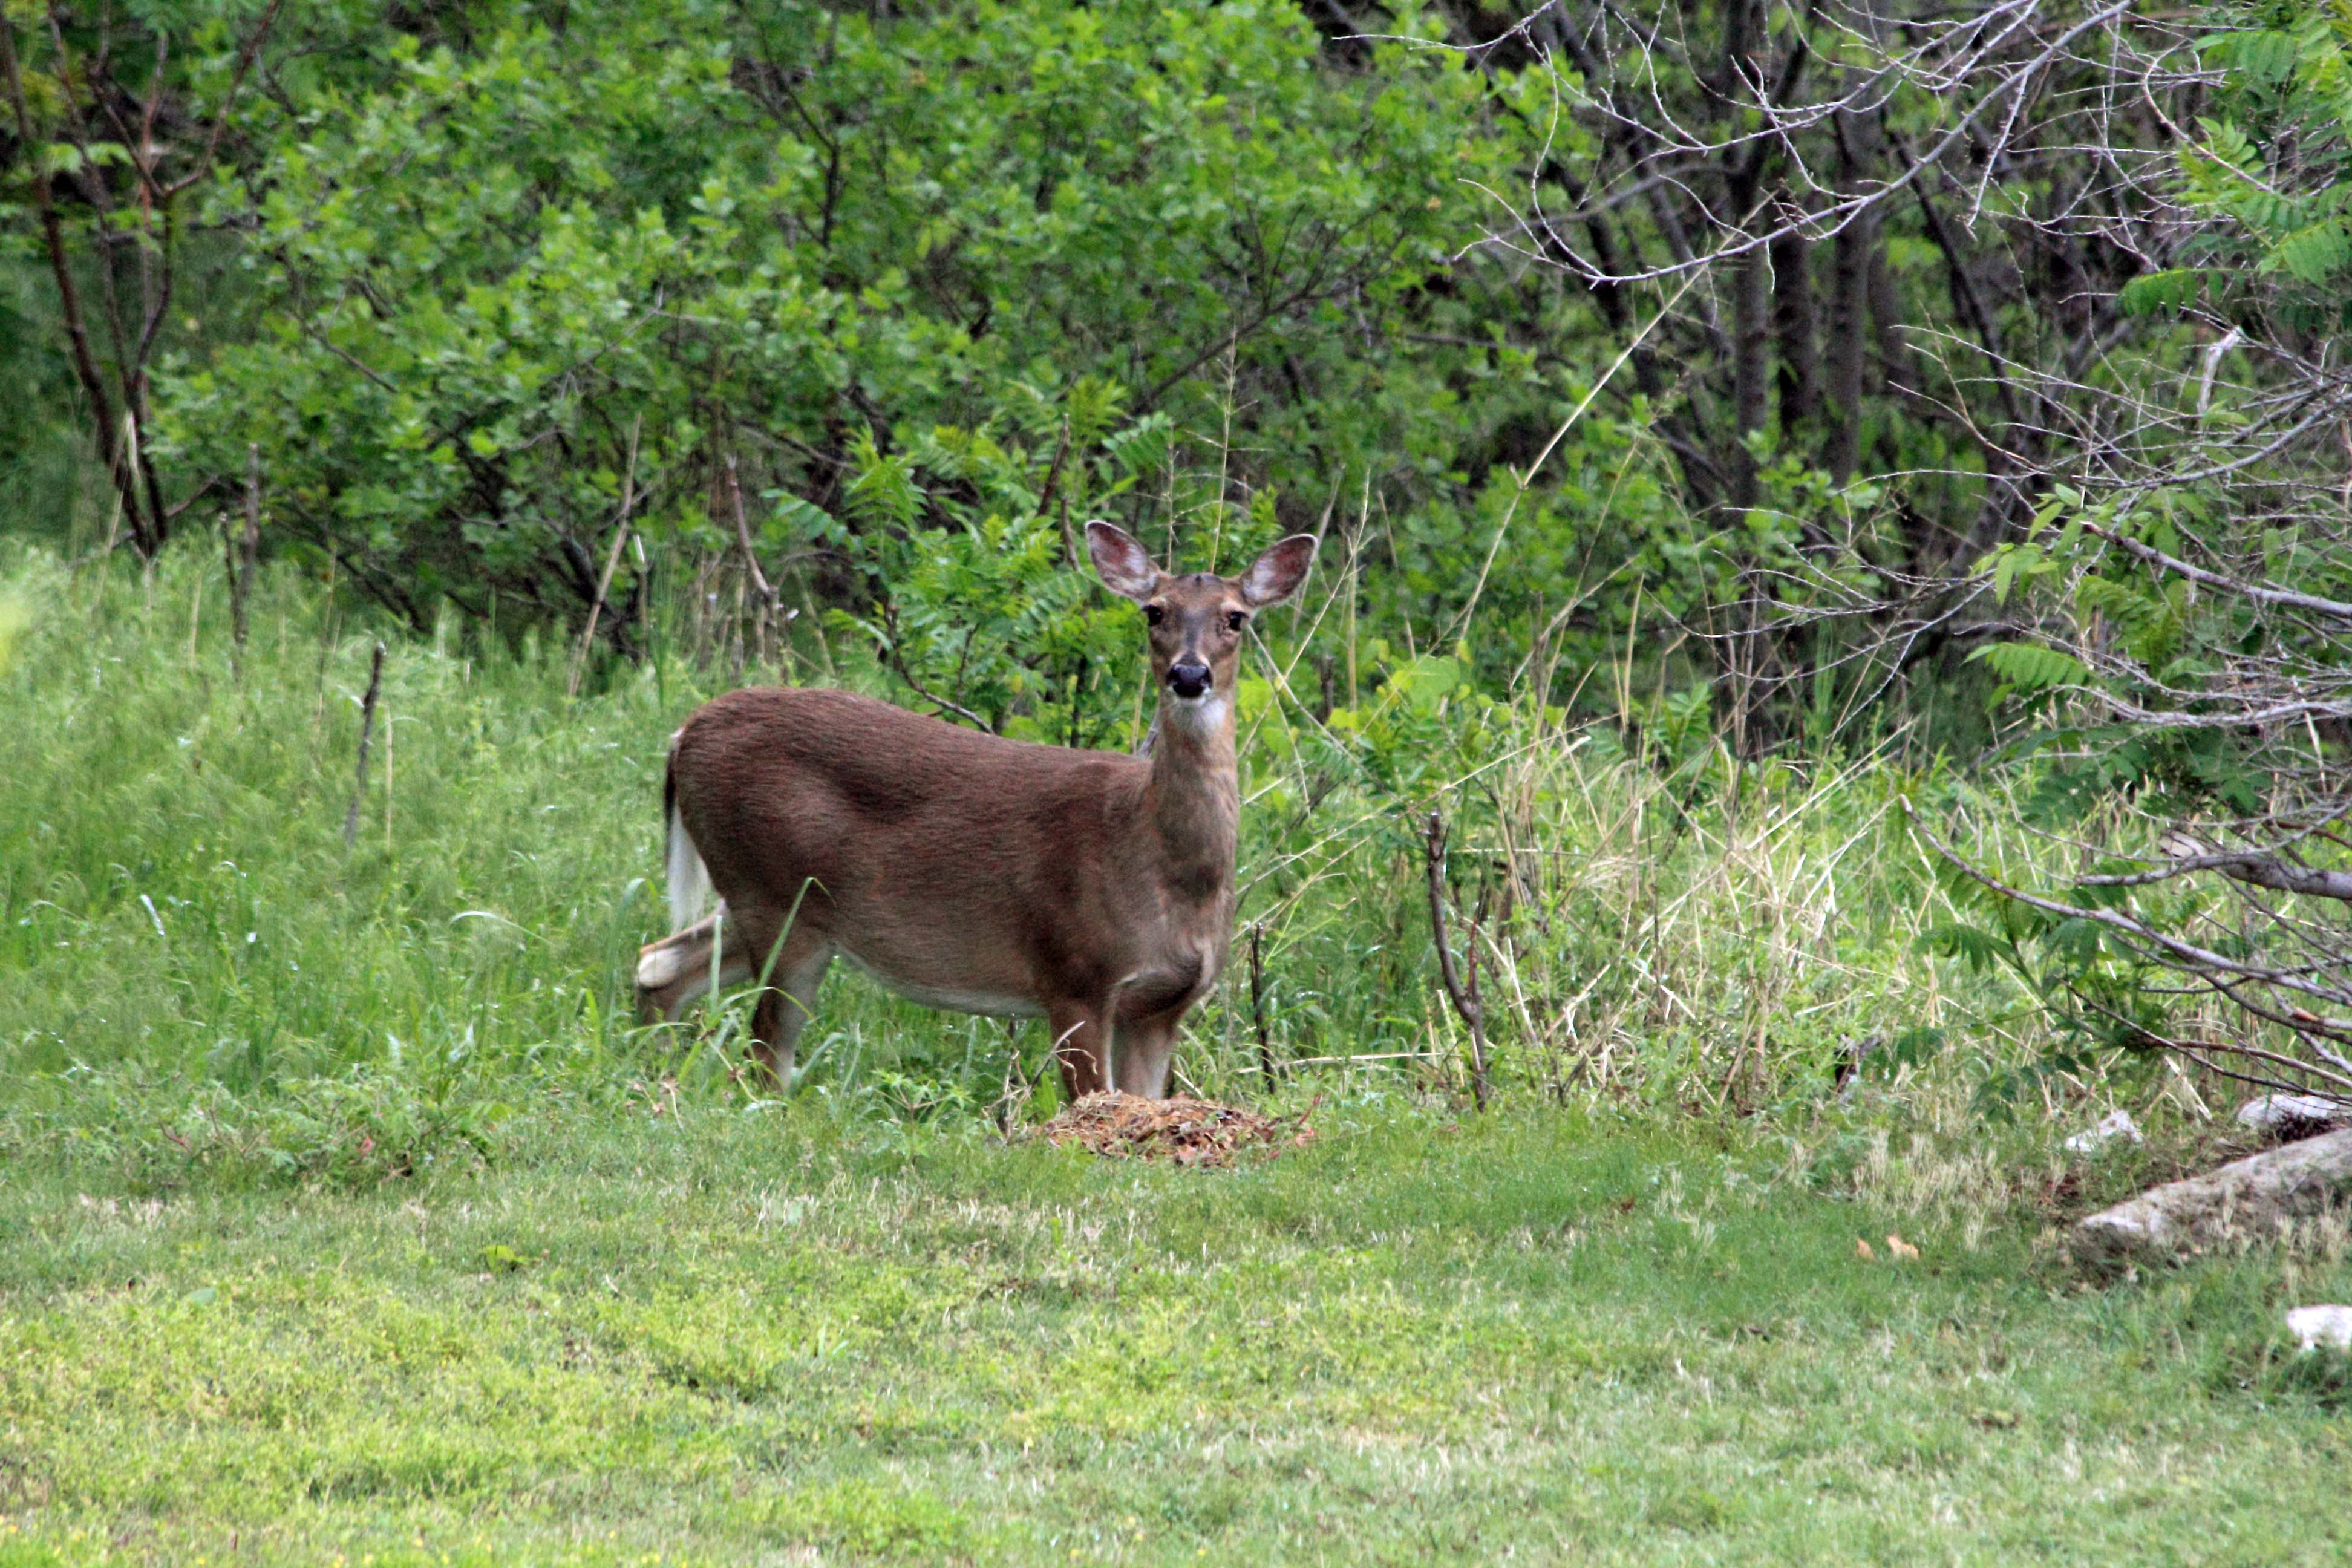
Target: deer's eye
1234	619
1153	615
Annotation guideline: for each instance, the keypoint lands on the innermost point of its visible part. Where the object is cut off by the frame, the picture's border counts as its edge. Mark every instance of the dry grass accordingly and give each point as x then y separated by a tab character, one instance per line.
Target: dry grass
1706	935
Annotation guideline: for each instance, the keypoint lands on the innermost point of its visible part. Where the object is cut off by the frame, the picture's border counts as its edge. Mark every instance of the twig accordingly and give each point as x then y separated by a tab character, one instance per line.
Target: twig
1465	997
2259	868
110	451
1257	1003
367	730
743	532
245	58
2202	962
1017	1090
898	663
1045	498
612	560
242	554
2260	592
1368	1056
771	608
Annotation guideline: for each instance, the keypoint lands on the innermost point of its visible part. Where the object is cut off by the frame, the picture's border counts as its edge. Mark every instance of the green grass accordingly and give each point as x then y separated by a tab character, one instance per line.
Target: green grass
710	1337
344	1210
210	976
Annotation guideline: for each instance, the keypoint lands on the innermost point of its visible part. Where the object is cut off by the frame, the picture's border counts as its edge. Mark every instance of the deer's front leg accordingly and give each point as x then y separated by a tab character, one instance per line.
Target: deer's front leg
1148	1007
1081	1049
1145	1052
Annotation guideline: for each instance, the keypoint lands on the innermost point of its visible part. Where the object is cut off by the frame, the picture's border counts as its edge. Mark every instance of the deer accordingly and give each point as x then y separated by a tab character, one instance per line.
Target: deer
965	870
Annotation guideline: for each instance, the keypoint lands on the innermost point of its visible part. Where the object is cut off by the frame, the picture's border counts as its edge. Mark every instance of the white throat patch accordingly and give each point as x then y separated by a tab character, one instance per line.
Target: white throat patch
1200	714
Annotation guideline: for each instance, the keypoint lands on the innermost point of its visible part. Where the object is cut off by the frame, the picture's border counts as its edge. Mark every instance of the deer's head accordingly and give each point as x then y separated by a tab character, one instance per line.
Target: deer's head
1197	621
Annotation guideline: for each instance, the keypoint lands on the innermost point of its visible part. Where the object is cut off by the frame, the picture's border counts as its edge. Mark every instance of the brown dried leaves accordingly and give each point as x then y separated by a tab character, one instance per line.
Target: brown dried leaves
1187	1130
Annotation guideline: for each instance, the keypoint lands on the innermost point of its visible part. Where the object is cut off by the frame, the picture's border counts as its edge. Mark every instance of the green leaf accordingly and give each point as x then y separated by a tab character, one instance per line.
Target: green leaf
1980	948
2315	254
2154	291
1910	1048
2262	59
798	520
2032	666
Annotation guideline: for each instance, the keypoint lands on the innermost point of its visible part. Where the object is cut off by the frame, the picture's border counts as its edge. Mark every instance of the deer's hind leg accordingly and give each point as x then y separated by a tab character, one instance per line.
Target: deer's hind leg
794	962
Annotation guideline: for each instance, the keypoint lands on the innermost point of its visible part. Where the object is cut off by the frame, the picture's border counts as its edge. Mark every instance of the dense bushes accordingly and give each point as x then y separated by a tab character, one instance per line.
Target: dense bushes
485	288
2186	587
523	274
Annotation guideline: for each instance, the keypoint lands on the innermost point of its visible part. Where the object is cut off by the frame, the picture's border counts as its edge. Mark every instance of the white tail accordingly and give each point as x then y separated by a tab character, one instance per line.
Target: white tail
690	892
681	966
967	871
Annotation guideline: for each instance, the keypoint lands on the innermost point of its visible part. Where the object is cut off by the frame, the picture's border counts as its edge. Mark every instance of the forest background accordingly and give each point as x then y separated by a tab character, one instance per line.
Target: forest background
1837	512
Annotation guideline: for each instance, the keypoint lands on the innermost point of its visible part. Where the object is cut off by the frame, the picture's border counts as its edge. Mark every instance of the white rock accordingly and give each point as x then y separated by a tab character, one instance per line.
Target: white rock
2115	1124
2283	1113
2318	1326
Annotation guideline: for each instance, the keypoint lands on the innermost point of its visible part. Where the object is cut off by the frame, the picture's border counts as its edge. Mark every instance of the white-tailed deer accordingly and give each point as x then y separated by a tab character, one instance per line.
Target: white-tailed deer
965	870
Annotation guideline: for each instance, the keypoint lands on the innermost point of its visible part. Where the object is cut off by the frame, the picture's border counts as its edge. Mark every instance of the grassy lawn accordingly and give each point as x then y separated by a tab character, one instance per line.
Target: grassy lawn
345	1212
711	1337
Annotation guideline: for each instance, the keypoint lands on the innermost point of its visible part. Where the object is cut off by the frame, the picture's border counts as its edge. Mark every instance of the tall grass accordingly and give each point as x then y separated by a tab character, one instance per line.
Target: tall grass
200	968
1725	951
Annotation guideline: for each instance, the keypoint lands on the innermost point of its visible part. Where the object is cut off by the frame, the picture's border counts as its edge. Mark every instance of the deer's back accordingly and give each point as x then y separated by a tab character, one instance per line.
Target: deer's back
922	846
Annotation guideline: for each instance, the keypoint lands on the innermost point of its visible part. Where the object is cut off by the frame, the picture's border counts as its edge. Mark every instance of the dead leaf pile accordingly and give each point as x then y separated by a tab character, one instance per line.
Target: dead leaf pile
1189	1132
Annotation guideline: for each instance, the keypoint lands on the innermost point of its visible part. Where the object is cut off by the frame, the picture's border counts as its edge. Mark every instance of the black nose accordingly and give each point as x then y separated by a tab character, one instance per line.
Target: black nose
1188	679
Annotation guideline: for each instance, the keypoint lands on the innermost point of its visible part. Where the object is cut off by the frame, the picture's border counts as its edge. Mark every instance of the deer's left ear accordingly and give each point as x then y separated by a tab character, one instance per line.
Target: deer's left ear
1275	575
1123	564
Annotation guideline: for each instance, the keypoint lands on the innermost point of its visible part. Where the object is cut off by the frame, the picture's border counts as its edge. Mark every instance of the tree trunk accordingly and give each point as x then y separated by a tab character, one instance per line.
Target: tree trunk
1852	257
1792	323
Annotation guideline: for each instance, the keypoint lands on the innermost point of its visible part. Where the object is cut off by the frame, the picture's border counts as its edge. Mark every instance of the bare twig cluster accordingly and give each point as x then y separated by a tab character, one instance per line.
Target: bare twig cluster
1910	224
1916	228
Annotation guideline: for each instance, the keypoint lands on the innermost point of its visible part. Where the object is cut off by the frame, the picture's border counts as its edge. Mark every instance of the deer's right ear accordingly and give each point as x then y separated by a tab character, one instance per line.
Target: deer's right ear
1123	564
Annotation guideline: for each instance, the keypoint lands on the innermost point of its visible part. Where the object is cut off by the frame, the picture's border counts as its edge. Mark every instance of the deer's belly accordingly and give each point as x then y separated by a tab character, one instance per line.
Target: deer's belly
954	996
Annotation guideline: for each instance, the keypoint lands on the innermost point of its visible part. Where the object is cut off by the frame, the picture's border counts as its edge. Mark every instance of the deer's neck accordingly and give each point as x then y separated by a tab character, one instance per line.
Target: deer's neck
1193	800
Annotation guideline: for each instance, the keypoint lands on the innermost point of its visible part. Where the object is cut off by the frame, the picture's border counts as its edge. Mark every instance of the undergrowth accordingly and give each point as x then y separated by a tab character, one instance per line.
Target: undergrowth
208	980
